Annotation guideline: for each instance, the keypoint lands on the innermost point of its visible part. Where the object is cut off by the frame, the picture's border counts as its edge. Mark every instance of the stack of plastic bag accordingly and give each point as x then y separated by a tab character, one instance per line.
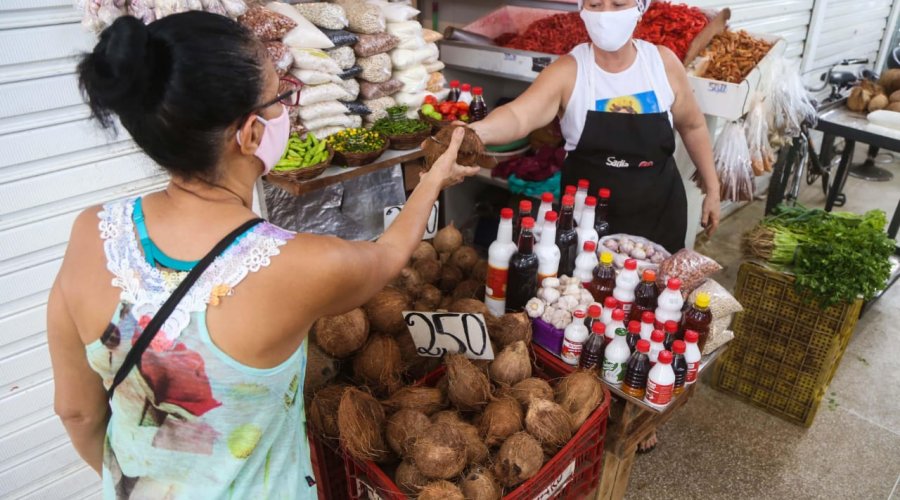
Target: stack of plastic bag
98	14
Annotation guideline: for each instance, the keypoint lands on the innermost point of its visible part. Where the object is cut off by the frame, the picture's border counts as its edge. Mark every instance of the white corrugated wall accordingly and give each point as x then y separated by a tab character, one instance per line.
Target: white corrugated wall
847	29
54	162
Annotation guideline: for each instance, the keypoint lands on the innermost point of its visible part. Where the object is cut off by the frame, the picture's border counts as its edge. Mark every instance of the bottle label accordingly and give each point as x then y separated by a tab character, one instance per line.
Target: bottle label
659	394
693	369
613	373
626	306
571	351
496	283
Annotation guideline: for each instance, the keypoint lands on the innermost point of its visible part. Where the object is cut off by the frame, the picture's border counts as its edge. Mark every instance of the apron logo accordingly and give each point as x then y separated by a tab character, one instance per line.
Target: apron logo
645	164
613	162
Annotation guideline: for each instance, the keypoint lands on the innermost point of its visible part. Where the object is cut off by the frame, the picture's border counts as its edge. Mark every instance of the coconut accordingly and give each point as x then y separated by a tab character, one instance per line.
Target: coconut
409	479
531	388
320	369
440	451
403	428
447	417
429	270
469	289
464	258
441	490
360	421
385	311
480	484
549	423
448	239
427	400
502	418
510	328
342	335
519	459
409	281
579	394
468	387
378	364
479	271
451	277
477	451
429	294
323	410
415	366
512	365
424	251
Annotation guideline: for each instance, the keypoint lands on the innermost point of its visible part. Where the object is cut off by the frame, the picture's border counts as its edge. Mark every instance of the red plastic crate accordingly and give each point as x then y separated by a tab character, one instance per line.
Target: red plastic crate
550	363
573	473
328	466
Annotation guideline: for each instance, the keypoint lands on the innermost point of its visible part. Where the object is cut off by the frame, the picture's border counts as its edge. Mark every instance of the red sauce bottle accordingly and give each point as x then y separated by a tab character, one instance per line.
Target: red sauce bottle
453	96
592	352
635	382
698	318
523	270
645	295
672	335
601	224
679	365
604	281
634	334
567	237
524	211
478	109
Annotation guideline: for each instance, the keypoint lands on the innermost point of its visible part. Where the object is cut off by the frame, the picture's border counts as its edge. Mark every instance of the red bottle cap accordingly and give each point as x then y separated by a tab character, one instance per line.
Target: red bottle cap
584	184
678	347
477	91
598	327
618	315
665	358
674	284
454	84
594	311
649	275
643	346
671	326
579	313
568	200
571	190
610	303
590	246
691	336
631	264
634	327
648	317
604	193
506	213
466	87
657	336
527	223
524	206
551	216
590	201
547	197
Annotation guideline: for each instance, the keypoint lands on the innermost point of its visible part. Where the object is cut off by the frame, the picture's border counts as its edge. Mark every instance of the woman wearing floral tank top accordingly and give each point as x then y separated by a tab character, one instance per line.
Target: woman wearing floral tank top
214	408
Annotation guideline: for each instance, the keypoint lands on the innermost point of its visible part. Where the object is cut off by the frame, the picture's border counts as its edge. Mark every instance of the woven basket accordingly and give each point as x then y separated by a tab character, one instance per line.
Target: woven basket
403	142
360	159
298	175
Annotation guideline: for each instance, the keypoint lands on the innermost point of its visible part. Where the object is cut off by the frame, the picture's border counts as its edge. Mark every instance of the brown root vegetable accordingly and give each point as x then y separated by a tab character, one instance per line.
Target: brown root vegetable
468	387
385	311
431	296
378	364
429	270
469	289
477	451
479	271
451	277
403	429
878	102
323	410
549	423
441	490
320	369
424	251
519	459
512	365
448	239
502	418
409	281
440	451
342	335
510	328
480	484
464	258
447	417
360	421
409	479
529	389
428	400
579	394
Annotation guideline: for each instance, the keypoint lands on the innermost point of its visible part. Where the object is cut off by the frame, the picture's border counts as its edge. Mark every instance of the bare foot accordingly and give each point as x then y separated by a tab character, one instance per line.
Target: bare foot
648	444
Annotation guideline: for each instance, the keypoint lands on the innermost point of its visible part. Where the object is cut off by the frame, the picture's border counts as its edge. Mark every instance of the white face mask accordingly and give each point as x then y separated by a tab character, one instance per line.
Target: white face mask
610	31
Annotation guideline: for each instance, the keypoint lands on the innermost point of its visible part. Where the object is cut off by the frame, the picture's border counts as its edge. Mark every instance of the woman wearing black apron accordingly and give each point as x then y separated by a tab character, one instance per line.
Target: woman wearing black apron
619	102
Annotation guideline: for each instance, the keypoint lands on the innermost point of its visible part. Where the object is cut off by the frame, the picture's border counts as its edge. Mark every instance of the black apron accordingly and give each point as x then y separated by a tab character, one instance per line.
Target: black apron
631	154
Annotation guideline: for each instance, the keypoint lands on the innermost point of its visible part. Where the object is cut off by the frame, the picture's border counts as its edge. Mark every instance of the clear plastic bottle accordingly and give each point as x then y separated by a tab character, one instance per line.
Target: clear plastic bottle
692	356
645	295
601	221
465	94
523	270
586	231
660	382
669	303
615	358
581	194
499	254
524	211
626	283
671	331
635	382
656	345
586	262
617	323
478	110
648	320
634	334
567	237
576	335
604	282
592	353
546	249
546	206
679	366
453	96
698	318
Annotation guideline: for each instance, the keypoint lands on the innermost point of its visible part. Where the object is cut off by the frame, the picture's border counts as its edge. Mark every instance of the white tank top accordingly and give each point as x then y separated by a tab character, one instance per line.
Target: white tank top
642	88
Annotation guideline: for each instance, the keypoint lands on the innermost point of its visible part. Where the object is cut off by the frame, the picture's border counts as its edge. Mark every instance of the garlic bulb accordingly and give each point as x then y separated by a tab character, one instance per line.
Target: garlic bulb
561	319
534	308
550	283
567	303
548	313
549	295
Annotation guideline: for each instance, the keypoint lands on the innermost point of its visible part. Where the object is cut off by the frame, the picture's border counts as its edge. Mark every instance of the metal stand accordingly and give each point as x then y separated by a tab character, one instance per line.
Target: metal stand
868	171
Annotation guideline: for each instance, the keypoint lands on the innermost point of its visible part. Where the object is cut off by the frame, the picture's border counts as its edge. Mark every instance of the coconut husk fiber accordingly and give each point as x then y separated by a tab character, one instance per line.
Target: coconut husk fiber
439	452
471	152
361	422
579	394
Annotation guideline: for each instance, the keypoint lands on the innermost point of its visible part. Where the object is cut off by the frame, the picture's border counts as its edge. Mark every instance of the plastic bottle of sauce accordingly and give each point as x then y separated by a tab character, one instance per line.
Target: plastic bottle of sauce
660	382
634	334
691	356
648	320
586	231
499	254
698	318
567	237
453	96
524	211
478	110
669	303
580	196
679	366
523	270
546	249
601	219
615	357
656	345
593	316
466	94
604	282
576	335
609	305
570	191
592	353
617	323
671	331
626	283
645	295
546	206
635	382
586	262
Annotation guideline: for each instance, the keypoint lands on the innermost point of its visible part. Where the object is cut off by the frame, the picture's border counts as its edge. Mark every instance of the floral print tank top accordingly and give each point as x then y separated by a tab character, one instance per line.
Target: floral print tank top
190	422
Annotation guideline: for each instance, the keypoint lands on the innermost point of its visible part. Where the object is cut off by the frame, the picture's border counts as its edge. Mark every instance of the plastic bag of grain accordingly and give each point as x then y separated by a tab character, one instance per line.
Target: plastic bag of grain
363	17
434	53
357	108
436	82
340	38
379	43
414	79
312	94
412	43
432	36
411	101
281	57
379	108
315	59
434	67
406	29
376	69
395	11
324	133
350	86
344	56
405	59
320	109
268	26
313	77
353	72
305	34
369	91
324	15
338	120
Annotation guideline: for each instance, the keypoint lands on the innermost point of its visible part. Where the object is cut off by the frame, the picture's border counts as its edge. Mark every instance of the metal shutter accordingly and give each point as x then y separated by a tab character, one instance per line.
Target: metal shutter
846	29
54	162
785	18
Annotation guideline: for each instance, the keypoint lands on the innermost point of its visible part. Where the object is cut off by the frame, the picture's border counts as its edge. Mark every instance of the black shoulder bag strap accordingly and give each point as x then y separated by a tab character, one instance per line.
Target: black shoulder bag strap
133	357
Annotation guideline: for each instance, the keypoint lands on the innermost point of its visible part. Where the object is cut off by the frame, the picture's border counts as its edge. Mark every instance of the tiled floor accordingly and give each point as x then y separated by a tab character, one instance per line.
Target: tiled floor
719	447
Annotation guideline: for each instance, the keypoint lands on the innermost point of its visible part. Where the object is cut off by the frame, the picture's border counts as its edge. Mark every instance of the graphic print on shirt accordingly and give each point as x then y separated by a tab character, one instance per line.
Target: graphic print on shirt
636	104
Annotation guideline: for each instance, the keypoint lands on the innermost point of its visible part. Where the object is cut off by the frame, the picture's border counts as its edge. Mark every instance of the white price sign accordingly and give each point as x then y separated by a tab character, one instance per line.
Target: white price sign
436	334
431	227
558	484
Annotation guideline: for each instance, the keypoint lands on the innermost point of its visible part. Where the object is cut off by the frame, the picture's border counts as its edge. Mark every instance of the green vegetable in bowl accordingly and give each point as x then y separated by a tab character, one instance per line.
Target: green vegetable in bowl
356	140
302	153
391	127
